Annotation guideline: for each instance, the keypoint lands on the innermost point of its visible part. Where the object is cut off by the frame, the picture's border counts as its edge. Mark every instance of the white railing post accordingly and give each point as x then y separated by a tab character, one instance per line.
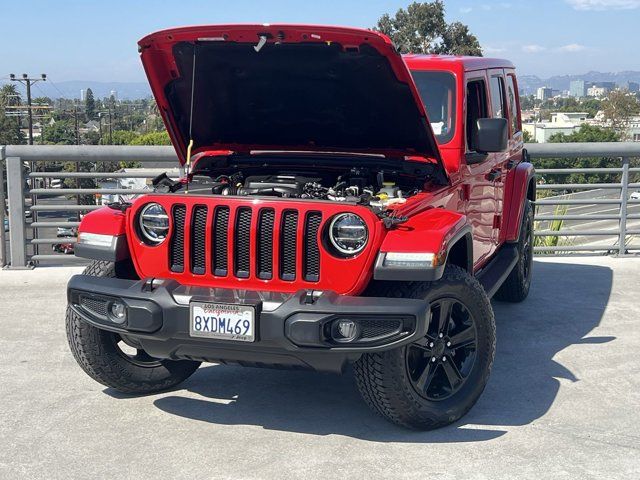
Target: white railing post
624	197
17	224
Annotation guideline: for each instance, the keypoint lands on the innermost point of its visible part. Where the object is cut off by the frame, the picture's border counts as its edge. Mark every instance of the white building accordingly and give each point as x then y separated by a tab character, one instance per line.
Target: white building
597	92
561	122
544	93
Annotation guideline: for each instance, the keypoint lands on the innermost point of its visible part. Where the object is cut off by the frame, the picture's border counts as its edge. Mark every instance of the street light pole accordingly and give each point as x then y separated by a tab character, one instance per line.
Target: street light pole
27	82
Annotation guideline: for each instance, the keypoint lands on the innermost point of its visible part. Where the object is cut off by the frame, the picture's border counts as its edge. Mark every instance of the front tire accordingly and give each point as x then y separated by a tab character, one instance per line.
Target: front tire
116	361
436	380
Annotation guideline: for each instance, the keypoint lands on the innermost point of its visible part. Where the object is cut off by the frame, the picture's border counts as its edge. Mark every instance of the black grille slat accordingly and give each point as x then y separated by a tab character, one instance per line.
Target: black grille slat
220	241
379	328
176	244
311	249
288	243
97	306
198	234
265	244
242	241
246	242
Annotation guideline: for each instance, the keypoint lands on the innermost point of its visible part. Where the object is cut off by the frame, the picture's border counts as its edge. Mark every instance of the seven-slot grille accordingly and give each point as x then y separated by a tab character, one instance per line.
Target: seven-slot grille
250	234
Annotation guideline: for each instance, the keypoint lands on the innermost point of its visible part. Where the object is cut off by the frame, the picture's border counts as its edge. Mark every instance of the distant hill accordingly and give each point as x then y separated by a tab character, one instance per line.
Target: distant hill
530	83
71	89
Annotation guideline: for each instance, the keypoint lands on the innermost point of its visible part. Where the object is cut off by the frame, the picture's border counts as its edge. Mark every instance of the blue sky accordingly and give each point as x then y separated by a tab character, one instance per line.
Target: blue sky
96	40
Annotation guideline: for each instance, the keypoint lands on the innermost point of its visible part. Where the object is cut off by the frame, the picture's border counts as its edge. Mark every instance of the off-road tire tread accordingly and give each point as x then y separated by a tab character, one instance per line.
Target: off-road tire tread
380	386
90	347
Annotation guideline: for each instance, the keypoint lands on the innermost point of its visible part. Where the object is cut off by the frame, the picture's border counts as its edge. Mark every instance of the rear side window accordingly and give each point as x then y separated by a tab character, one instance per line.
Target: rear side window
497	98
476	108
437	91
513	104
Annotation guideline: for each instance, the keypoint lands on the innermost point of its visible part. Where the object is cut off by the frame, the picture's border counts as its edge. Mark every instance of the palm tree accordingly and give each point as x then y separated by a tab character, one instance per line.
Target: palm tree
9	95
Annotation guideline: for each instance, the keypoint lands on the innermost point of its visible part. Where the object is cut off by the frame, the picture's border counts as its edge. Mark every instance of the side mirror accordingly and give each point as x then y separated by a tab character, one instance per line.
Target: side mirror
492	135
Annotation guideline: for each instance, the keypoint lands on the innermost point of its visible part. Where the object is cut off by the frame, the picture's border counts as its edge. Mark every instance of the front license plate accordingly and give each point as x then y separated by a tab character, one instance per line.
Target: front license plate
223	321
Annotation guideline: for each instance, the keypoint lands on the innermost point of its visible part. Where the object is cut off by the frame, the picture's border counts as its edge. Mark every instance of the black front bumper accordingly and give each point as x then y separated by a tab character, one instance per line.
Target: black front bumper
292	330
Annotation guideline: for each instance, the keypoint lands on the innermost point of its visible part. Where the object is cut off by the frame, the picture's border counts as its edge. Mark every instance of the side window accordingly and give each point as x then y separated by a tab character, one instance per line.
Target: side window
513	104
497	98
476	108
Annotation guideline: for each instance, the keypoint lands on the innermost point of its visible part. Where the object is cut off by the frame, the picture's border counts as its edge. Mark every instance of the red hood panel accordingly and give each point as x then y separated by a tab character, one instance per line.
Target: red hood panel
306	88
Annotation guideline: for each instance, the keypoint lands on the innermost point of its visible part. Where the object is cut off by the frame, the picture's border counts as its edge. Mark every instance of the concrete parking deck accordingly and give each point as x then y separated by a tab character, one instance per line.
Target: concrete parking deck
563	400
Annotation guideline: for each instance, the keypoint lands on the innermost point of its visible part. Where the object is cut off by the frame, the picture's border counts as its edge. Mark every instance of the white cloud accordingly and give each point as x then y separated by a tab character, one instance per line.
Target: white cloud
465	9
492	50
604	4
571	48
533	48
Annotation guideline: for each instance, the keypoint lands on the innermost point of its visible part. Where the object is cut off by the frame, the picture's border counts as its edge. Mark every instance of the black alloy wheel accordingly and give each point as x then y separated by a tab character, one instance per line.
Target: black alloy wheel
439	363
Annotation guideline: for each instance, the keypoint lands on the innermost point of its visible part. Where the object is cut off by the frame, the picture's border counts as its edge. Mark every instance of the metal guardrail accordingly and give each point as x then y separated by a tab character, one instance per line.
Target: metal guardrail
24	251
620	204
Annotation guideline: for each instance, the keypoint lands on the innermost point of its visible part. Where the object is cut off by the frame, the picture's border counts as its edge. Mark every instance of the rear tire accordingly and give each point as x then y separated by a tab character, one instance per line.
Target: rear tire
105	356
516	287
436	380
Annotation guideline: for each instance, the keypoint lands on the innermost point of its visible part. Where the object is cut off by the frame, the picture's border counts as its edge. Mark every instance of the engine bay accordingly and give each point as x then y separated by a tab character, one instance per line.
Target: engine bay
378	187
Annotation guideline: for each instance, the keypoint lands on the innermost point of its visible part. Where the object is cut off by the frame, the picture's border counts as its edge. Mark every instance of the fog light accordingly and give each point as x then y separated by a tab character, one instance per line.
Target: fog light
118	312
346	330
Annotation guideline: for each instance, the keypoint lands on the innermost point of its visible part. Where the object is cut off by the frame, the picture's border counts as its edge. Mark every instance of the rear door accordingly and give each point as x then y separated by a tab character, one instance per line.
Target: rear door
499	161
516	144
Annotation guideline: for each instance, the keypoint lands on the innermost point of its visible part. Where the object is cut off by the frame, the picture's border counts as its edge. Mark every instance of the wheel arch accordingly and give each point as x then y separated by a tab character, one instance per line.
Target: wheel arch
460	250
521	187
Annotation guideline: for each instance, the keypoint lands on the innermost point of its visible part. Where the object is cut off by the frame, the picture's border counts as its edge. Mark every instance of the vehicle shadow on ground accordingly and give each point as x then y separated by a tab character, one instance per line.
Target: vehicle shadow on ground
566	302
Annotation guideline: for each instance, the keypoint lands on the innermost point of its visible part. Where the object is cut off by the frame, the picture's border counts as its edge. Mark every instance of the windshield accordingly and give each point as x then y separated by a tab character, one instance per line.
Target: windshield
437	91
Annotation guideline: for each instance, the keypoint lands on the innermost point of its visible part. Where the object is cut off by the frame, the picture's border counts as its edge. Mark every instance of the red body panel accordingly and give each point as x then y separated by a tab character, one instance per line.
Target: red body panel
106	221
516	190
156	51
429	231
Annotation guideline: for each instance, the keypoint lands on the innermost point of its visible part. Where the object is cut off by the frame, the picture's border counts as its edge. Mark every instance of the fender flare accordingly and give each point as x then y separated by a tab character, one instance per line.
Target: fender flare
440	230
104	221
523	186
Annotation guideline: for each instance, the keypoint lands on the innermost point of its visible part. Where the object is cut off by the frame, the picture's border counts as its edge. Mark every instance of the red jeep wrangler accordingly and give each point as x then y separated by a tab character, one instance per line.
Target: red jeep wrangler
340	205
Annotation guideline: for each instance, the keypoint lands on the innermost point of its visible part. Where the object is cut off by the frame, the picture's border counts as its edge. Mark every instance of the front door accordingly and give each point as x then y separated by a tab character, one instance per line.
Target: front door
480	182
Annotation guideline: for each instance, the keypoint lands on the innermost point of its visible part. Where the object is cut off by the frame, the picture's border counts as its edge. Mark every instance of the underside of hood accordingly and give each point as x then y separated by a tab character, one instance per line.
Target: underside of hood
284	87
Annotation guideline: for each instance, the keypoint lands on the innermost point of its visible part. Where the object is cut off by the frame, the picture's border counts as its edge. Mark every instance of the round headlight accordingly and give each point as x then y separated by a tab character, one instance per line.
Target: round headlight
154	223
348	233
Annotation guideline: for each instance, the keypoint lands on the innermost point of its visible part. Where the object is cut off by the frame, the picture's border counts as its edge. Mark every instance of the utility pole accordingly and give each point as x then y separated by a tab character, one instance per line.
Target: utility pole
110	131
75	116
27	82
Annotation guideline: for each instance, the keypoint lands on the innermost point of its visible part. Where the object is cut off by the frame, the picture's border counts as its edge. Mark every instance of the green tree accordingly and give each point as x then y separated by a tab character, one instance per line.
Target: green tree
422	28
526	137
90	105
124	137
153	138
592	106
618	109
10	133
527	102
586	133
61	132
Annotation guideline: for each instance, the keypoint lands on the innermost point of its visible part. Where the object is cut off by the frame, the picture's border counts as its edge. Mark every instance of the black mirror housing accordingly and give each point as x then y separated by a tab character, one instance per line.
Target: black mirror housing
492	135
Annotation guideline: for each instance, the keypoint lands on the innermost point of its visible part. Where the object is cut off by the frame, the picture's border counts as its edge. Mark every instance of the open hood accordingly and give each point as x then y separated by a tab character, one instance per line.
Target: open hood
243	88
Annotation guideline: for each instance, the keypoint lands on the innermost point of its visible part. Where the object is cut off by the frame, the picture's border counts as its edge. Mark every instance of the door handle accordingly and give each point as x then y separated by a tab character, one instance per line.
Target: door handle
494	174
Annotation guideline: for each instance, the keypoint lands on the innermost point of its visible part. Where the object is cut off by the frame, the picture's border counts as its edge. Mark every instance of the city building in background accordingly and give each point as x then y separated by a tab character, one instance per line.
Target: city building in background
544	93
564	123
